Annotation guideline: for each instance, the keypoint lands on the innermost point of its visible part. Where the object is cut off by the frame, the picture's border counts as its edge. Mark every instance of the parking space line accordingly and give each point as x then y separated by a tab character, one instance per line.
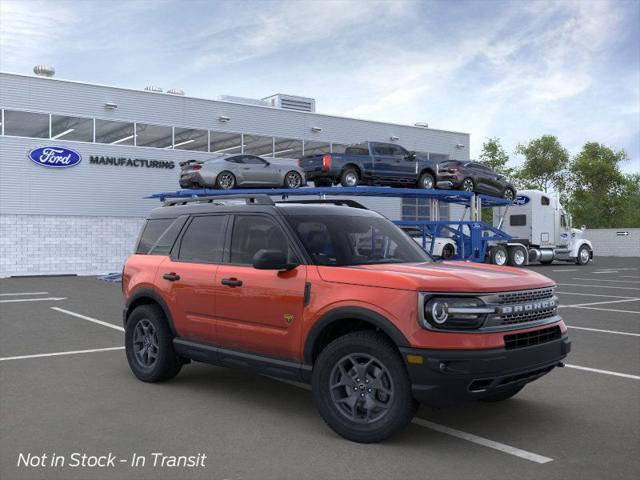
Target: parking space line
629	276
598	303
470	437
597	286
606	372
57	354
591	295
609	310
47	299
533	457
567	270
89	319
616	332
22	293
610	281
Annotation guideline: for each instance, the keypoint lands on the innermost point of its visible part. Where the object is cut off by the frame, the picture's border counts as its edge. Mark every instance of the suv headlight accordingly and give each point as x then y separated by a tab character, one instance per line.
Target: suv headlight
454	312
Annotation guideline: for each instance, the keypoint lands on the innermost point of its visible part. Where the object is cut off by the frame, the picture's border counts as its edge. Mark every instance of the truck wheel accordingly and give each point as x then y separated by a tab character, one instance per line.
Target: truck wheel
149	345
517	256
498	255
361	387
426	181
448	251
502	395
584	255
349	178
225	180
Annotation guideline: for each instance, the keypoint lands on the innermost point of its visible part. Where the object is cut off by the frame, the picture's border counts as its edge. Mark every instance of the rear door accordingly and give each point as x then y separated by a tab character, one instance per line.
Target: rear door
259	310
187	278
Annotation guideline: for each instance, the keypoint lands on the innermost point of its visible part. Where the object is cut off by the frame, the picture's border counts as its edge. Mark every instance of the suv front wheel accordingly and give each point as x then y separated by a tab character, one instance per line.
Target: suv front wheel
361	387
149	345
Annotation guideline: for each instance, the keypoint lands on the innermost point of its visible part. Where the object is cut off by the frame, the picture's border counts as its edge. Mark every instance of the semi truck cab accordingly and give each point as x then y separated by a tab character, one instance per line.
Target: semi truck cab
539	224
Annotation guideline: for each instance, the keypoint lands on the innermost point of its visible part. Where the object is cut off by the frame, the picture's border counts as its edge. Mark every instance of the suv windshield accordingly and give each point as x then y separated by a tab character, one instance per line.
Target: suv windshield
341	240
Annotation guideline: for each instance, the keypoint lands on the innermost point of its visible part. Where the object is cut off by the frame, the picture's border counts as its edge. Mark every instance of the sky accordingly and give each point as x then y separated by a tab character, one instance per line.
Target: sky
510	69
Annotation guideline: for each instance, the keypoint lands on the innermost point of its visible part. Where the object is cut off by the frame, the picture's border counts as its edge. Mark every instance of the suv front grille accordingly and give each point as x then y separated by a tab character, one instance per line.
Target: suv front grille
526	306
525	296
536	337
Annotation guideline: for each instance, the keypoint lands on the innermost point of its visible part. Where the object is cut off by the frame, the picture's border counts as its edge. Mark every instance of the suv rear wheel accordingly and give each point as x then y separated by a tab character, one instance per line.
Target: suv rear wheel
361	387
149	345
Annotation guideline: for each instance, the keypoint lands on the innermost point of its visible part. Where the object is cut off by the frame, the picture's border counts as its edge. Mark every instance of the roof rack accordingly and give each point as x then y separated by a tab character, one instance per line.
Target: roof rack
221	200
340	202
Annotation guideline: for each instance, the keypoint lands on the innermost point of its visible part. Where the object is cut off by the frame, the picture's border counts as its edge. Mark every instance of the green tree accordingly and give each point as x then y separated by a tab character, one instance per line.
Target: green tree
494	156
599	194
544	165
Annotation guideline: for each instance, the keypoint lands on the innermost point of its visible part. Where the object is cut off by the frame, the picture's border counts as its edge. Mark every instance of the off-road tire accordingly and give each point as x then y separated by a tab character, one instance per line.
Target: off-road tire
502	395
167	364
401	405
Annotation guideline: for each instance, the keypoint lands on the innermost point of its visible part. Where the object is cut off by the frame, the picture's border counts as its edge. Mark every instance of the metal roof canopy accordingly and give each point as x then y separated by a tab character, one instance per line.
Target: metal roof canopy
449	196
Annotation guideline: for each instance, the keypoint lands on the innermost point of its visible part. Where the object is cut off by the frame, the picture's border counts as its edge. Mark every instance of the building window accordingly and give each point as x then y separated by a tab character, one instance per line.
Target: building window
26	124
419	209
71	128
191	139
258	145
115	133
156	136
287	148
316	148
230	143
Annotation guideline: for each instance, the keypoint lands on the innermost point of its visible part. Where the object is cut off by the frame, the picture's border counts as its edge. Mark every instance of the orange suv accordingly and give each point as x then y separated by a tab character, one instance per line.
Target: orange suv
336	296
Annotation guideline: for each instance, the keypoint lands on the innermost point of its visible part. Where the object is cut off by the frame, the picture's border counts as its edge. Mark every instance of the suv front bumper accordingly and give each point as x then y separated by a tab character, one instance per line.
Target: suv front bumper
446	377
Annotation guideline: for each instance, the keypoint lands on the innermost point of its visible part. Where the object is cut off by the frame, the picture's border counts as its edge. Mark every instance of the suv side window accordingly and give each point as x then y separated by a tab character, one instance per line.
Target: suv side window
256	232
203	242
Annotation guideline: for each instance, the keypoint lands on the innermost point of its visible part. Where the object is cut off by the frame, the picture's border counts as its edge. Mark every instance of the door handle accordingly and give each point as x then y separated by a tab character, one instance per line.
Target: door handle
231	282
172	277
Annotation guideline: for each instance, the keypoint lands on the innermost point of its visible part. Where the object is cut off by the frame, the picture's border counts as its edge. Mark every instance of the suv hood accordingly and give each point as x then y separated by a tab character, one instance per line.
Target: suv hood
437	277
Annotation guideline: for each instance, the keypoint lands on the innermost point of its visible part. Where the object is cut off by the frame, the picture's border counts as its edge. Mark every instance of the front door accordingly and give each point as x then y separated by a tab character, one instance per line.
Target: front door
391	164
187	280
258	171
259	310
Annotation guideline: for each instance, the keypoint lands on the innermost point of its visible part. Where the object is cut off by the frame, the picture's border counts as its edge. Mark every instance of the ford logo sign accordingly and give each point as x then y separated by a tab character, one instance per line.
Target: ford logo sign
55	157
521	200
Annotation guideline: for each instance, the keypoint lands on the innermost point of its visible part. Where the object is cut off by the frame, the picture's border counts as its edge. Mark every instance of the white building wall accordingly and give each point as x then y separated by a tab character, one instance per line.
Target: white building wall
613	242
54	244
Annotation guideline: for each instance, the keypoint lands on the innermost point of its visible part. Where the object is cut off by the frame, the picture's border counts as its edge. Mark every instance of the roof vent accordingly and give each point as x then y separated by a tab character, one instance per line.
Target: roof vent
153	88
44	71
421	124
292	102
243	100
175	91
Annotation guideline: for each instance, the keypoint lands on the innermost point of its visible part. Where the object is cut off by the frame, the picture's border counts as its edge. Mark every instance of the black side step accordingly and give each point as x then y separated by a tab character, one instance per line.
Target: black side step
264	365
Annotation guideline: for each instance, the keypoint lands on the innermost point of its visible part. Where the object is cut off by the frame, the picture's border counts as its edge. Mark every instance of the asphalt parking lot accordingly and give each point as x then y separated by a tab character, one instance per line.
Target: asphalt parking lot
65	387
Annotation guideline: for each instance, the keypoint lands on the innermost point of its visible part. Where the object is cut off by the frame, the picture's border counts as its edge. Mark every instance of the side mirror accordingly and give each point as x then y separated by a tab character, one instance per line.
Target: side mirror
272	260
411	156
583	227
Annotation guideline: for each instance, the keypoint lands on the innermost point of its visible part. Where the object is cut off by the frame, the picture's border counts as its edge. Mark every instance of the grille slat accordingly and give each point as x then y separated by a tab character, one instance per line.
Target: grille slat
536	337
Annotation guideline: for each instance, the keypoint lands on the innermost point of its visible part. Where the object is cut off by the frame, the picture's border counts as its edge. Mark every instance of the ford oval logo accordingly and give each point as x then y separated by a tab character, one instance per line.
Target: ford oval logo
55	157
521	200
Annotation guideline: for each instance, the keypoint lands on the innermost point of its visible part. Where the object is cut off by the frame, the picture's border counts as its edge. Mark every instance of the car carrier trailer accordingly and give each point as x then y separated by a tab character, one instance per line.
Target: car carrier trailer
474	239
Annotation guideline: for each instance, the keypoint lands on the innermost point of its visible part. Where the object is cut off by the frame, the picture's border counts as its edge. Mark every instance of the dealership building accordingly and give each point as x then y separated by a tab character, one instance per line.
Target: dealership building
127	144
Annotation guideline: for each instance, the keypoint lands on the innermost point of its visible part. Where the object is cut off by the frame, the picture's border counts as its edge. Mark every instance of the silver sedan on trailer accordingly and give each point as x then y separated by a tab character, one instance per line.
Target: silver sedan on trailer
232	171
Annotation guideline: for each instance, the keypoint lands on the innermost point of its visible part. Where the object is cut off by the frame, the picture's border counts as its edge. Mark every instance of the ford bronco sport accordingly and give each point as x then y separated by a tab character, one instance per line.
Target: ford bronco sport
335	296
